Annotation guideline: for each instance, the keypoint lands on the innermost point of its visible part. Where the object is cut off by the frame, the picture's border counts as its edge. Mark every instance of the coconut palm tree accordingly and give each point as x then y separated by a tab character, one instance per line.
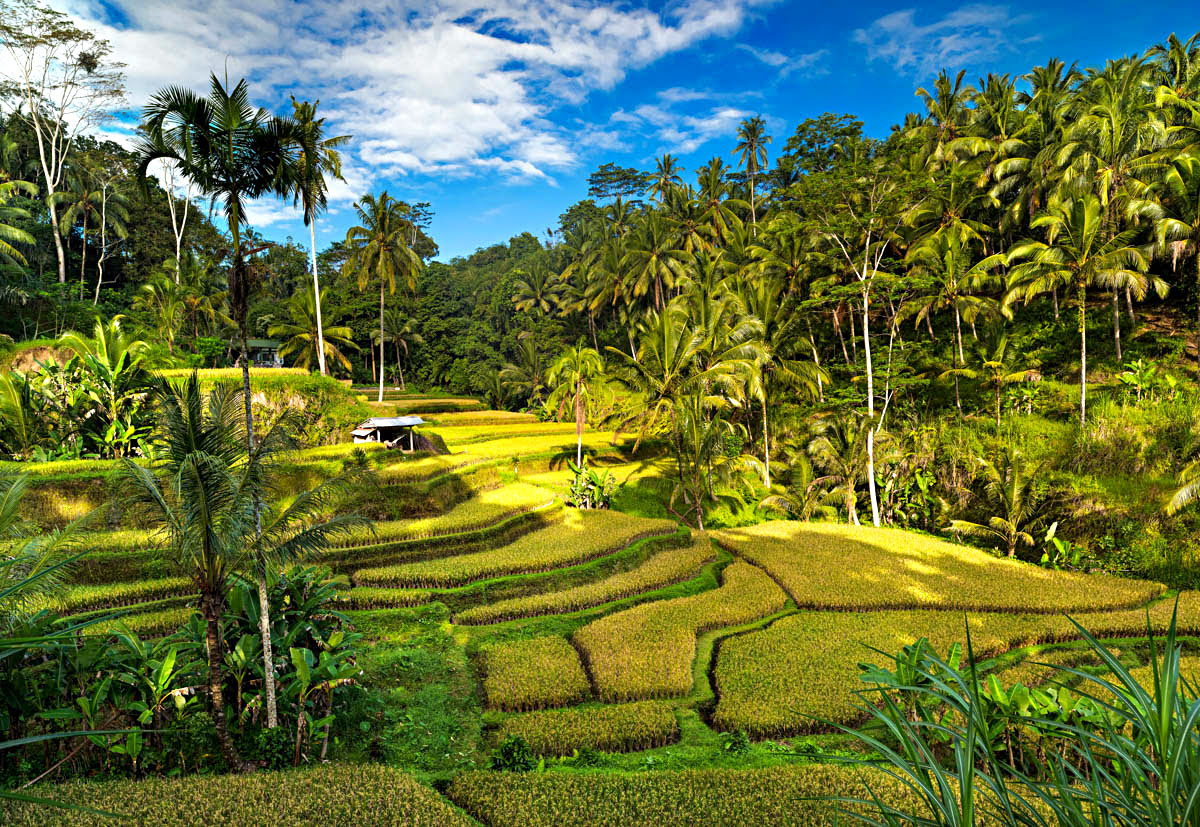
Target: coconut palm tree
665	178
82	205
1078	254
402	330
538	290
527	375
573	378
654	259
1017	497
1177	210
163	300
752	151
233	153
304	337
379	250
993	371
317	157
210	498
839	449
9	234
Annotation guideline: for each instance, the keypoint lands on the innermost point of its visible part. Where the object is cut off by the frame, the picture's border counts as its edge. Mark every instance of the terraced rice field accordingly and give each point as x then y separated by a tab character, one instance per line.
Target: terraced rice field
581	634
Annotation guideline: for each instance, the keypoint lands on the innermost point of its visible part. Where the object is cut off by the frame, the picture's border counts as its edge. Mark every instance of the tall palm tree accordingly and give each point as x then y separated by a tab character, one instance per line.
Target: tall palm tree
1078	254
665	178
233	152
993	371
163	300
527	375
956	280
946	117
573	378
82	203
207	495
777	363
317	157
1177	209
402	330
379	250
653	259
304	337
752	149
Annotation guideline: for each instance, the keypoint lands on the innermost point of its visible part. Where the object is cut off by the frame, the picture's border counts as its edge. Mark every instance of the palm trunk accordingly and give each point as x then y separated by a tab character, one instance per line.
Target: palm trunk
766	446
1116	303
579	417
312	239
1054	294
812	341
211	606
83	261
961	359
1129	308
1082	293
381	343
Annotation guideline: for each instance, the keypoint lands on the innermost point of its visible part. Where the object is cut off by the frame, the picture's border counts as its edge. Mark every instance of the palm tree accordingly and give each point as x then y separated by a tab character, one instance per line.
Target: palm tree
537	290
1078	254
9	234
378	249
163	299
232	152
752	149
304	337
1015	495
776	364
653	259
1177	209
207	495
401	329
945	258
573	377
82	204
839	449
946	116
994	372
527	376
665	178
701	436
317	157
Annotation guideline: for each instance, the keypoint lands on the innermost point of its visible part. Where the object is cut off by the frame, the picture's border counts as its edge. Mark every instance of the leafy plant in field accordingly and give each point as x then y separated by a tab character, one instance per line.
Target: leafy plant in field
591	489
1016	497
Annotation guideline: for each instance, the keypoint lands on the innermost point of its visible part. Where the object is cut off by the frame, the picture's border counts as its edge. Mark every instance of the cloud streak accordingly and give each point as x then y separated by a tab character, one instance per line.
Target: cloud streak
968	35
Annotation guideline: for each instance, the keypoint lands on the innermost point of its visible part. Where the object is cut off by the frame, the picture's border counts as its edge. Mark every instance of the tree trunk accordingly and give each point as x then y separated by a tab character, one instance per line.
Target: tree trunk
837	327
962	362
579	418
211	605
812	341
312	239
1129	308
766	445
1054	294
58	242
381	343
1082	293
264	631
1116	303
83	259
866	333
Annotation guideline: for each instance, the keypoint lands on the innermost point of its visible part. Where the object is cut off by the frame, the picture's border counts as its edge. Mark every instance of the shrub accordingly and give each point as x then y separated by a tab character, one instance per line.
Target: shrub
513	755
616	728
367	794
531	674
844	567
664	568
647	651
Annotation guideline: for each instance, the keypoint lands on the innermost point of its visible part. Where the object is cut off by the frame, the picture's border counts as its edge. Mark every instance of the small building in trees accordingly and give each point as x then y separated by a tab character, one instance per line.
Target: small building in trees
264	353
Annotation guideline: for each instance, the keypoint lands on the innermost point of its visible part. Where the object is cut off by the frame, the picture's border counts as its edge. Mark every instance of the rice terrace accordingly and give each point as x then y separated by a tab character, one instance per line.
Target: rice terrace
808	469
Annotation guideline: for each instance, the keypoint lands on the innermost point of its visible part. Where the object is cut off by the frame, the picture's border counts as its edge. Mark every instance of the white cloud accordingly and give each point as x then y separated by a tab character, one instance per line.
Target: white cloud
442	88
681	133
807	63
969	34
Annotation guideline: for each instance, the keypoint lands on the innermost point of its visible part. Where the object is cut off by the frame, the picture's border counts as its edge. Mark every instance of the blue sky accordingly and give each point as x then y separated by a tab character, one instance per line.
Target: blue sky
496	114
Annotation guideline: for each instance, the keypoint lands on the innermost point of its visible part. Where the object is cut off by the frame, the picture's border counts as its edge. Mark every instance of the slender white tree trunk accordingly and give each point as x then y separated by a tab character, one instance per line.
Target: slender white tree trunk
381	342
312	240
866	333
766	446
1082	355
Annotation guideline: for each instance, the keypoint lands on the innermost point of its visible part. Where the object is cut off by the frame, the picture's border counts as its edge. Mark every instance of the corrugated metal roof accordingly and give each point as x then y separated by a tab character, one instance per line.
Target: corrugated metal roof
392	422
